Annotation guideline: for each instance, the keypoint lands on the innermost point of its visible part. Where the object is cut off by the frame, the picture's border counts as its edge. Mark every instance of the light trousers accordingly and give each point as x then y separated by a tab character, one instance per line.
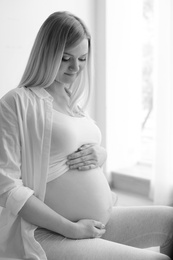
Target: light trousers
129	231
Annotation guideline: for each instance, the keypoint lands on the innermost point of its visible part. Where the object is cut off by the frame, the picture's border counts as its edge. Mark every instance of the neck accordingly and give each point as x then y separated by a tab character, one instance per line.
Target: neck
57	90
60	94
65	87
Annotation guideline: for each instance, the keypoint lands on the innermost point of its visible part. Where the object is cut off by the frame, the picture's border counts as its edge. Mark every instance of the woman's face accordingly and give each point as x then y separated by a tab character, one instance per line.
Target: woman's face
73	62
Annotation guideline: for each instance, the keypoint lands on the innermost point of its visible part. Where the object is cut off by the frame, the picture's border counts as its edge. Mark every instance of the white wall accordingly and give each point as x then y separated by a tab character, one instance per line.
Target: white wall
20	21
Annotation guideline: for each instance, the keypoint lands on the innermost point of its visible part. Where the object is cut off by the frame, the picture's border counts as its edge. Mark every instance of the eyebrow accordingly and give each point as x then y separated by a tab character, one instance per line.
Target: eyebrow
66	53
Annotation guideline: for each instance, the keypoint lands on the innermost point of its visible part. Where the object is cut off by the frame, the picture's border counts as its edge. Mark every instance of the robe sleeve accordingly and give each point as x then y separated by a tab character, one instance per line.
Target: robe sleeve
13	194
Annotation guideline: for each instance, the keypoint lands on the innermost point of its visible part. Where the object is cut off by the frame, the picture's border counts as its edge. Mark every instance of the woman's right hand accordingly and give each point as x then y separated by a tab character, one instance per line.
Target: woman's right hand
87	228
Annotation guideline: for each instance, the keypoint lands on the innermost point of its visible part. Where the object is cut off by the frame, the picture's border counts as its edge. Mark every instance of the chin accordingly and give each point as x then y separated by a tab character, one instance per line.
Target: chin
66	81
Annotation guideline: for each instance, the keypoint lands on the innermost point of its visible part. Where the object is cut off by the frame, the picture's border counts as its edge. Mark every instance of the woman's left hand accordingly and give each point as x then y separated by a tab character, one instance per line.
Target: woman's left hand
87	157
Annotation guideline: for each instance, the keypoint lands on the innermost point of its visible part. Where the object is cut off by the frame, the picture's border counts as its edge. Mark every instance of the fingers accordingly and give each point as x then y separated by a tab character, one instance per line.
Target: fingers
83	159
100	233
88	228
99	225
99	229
83	166
89	167
81	162
85	146
80	153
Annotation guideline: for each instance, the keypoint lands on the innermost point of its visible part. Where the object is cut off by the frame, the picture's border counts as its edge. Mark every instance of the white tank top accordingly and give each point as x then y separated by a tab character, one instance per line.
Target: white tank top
68	134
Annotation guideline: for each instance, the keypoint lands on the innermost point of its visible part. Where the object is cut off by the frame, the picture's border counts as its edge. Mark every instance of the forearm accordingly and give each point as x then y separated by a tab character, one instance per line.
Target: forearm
38	213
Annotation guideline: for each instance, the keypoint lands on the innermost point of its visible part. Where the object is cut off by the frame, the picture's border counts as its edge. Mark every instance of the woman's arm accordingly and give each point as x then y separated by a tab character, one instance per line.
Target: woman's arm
19	199
38	213
88	156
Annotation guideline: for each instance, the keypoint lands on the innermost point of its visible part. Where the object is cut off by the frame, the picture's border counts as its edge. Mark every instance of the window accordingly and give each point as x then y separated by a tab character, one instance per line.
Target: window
147	124
130	86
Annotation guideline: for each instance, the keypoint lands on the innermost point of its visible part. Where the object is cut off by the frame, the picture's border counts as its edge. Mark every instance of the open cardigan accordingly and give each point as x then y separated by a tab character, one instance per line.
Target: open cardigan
25	135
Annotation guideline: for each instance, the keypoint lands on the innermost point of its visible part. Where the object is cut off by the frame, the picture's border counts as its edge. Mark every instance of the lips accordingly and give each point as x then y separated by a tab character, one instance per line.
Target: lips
71	75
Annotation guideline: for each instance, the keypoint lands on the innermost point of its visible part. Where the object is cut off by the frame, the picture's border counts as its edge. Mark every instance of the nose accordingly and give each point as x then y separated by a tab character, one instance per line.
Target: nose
74	66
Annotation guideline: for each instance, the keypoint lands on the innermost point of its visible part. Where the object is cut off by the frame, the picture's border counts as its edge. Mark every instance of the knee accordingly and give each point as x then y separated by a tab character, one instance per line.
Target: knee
168	217
163	257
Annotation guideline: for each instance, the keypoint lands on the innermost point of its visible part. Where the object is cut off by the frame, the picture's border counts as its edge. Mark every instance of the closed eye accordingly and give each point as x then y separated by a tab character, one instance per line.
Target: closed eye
65	58
83	59
68	59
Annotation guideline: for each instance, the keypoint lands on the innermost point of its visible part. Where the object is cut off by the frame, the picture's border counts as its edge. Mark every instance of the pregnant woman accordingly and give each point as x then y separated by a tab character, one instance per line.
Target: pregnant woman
56	201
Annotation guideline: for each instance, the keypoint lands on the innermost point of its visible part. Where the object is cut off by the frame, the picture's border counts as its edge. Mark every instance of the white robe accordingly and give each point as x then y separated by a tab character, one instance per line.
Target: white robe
25	135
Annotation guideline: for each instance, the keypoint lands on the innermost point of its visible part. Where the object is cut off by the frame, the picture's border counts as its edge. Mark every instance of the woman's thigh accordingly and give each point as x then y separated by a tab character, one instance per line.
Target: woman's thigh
60	248
141	227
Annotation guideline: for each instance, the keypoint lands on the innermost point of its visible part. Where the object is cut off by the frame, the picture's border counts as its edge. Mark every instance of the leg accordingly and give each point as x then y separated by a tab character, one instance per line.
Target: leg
60	248
141	227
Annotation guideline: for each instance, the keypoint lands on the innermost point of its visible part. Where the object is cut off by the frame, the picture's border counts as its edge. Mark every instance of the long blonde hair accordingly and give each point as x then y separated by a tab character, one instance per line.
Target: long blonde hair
59	31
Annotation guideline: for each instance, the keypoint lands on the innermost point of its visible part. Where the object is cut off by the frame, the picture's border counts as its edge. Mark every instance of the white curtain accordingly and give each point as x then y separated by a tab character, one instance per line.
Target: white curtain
162	181
123	81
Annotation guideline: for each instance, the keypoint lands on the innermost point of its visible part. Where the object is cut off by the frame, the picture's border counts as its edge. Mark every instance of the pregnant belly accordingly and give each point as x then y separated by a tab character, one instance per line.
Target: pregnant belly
80	194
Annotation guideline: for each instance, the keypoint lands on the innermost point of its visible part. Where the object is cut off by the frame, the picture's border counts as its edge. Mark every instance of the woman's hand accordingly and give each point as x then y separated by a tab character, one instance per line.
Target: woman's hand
87	228
87	157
